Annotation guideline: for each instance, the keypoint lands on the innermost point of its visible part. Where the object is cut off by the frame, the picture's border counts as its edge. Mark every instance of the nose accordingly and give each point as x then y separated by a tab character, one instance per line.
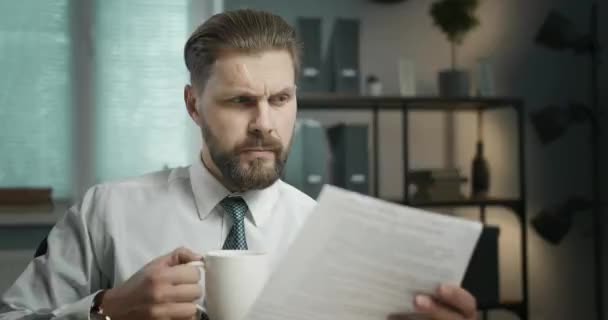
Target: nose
262	123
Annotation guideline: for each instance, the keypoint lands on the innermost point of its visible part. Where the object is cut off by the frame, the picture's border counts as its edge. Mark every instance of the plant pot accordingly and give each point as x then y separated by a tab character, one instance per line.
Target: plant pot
454	83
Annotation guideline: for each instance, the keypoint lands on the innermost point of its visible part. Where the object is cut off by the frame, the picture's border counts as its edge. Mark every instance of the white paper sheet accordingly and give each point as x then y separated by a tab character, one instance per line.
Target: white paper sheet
362	258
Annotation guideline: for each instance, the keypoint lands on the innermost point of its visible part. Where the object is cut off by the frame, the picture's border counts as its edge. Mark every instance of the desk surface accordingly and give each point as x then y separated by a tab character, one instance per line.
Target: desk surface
32	215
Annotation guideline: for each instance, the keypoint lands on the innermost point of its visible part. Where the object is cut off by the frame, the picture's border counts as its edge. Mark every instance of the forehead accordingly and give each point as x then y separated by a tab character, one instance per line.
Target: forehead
261	71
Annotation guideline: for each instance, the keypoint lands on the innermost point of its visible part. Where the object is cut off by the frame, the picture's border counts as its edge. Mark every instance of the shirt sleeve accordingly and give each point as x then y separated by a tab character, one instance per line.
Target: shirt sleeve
62	283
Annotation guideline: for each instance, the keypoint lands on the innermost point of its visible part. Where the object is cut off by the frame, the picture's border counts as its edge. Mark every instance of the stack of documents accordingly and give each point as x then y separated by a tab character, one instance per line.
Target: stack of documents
358	257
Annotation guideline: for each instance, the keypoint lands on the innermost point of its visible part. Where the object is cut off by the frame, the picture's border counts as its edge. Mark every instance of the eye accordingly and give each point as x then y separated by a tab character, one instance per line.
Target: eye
242	100
280	99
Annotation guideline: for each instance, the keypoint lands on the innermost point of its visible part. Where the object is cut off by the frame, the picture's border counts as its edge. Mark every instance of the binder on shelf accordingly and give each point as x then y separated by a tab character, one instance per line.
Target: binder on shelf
307	165
312	77
350	165
344	55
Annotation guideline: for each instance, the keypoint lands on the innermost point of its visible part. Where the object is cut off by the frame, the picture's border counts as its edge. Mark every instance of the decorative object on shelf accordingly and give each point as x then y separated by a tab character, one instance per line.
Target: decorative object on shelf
485	78
344	56
558	33
480	170
407	77
373	86
455	18
436	185
312	76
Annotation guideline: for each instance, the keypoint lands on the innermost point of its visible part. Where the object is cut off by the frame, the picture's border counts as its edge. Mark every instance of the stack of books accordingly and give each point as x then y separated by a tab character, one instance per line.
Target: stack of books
436	185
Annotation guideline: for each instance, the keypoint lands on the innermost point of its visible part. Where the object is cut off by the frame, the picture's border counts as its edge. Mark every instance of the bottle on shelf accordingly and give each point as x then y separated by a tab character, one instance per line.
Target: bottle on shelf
480	170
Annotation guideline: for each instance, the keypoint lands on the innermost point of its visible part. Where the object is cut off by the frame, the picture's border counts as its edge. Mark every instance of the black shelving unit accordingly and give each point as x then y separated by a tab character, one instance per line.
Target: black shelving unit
333	102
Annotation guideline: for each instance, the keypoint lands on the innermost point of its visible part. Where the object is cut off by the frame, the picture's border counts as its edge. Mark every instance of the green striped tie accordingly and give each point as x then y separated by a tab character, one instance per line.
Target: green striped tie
237	209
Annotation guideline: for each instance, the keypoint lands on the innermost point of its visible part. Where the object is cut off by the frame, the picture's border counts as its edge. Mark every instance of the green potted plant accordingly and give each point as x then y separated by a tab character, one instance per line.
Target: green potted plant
455	18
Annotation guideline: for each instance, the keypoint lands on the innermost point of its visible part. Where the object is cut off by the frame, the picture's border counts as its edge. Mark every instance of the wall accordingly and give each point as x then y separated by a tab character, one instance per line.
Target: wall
561	277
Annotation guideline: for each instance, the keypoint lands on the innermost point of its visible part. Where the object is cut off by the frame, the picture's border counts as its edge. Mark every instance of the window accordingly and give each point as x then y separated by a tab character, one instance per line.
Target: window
140	119
138	74
35	99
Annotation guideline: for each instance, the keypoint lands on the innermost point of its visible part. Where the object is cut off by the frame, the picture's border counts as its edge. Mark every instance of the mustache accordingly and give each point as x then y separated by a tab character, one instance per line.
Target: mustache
260	142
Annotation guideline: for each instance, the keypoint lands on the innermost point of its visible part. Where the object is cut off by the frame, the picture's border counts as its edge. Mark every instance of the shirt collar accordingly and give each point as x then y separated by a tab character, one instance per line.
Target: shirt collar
208	192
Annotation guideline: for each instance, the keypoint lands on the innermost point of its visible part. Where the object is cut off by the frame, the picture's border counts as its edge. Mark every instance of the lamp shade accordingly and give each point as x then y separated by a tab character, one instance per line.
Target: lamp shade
552	226
550	123
557	32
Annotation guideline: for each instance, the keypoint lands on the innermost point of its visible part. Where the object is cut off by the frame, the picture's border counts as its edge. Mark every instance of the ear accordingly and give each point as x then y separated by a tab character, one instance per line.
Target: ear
190	100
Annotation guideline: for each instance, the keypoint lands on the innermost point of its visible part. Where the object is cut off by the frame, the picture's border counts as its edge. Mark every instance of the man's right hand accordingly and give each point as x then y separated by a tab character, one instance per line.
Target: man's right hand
166	288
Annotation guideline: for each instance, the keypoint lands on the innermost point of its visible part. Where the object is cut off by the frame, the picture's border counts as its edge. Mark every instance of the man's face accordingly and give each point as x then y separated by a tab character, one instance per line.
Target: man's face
247	112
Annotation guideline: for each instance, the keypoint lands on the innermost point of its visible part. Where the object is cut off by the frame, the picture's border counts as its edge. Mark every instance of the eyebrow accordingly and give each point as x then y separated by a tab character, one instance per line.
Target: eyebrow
246	92
289	90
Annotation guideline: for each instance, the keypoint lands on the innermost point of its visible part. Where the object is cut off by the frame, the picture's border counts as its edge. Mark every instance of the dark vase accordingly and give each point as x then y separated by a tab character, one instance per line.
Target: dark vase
480	174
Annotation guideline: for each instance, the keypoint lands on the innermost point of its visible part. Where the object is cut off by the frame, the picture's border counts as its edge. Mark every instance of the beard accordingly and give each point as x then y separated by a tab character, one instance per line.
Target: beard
253	174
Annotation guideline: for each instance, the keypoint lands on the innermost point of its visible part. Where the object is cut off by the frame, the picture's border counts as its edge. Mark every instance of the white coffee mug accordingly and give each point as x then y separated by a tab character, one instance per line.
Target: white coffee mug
233	281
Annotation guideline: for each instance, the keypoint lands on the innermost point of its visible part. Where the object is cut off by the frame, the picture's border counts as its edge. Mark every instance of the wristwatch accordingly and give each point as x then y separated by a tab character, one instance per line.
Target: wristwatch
96	311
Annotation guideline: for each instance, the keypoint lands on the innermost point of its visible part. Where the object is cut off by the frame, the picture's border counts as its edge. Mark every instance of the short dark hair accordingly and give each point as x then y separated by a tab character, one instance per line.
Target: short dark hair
251	31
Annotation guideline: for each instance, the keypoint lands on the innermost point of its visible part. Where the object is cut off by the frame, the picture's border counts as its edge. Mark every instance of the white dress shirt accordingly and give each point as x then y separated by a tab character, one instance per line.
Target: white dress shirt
119	227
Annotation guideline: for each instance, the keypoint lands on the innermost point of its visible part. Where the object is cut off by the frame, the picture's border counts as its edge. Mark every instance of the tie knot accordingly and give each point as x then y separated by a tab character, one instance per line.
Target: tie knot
235	207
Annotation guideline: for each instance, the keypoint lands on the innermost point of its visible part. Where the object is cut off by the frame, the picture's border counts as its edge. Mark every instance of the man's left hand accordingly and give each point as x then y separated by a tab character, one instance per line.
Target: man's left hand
450	303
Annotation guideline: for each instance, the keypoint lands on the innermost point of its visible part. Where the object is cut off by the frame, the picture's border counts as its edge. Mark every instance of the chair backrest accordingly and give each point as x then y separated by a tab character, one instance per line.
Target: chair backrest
42	248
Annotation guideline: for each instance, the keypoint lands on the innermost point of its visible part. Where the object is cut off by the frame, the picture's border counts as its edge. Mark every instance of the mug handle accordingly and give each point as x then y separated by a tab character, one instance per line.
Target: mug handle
201	267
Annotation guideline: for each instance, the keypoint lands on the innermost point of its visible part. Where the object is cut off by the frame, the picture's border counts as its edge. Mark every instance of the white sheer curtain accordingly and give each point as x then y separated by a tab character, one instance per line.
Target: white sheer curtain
133	90
35	95
140	119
